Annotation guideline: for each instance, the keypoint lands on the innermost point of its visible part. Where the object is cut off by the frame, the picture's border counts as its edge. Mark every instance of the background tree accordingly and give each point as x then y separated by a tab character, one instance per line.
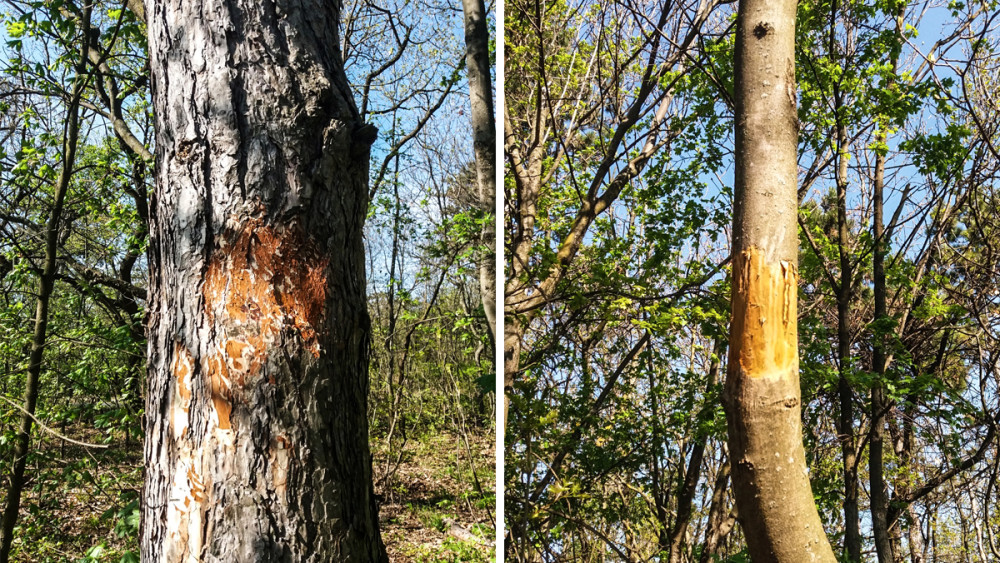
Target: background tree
46	283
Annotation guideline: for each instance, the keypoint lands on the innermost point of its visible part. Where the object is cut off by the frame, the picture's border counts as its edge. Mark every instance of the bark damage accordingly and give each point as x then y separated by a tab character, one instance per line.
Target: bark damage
263	285
765	326
777	511
265	290
263	282
256	428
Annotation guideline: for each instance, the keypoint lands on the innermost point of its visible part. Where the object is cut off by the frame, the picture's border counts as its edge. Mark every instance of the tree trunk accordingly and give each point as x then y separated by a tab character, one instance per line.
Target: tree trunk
46	282
876	445
720	521
915	536
257	435
770	476
477	61
845	423
689	484
879	403
512	333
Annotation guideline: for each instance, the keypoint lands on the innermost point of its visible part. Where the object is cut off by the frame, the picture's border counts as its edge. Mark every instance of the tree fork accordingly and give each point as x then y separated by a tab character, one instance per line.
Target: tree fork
769	472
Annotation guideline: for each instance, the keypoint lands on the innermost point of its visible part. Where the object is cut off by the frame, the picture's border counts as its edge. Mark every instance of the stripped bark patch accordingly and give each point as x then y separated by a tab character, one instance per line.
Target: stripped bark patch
180	366
197	486
263	280
188	494
764	324
263	284
220	388
241	358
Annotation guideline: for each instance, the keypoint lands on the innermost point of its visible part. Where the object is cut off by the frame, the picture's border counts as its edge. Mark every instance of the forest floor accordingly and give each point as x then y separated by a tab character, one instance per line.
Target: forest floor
432	508
81	504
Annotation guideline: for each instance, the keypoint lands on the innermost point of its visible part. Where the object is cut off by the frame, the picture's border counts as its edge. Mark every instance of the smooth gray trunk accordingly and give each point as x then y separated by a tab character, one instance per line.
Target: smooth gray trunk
477	61
770	477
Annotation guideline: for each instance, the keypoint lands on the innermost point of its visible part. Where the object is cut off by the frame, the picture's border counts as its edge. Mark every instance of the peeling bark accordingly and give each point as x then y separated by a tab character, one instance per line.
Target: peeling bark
257	437
769	472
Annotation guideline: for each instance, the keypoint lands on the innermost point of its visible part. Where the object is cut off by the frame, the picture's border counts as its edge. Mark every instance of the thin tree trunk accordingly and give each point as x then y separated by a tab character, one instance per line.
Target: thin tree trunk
512	333
884	547
257	434
915	536
879	404
720	521
845	424
902	441
477	61
845	421
46	282
770	476
685	496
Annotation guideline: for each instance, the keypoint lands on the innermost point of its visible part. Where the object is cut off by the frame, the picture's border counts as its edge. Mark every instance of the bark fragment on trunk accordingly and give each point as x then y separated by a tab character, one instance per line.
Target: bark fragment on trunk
257	438
769	472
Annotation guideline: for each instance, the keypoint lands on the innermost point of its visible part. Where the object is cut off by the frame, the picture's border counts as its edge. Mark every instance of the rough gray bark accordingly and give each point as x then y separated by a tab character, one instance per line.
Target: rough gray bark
770	477
256	428
477	61
46	283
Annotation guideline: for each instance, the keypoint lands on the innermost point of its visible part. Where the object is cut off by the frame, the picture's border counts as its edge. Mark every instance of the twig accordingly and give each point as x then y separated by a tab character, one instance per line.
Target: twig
51	431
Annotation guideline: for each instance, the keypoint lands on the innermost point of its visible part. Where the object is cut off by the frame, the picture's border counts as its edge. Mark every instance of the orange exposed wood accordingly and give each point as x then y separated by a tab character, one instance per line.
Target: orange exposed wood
197	487
764	315
218	375
262	284
182	370
265	279
235	350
